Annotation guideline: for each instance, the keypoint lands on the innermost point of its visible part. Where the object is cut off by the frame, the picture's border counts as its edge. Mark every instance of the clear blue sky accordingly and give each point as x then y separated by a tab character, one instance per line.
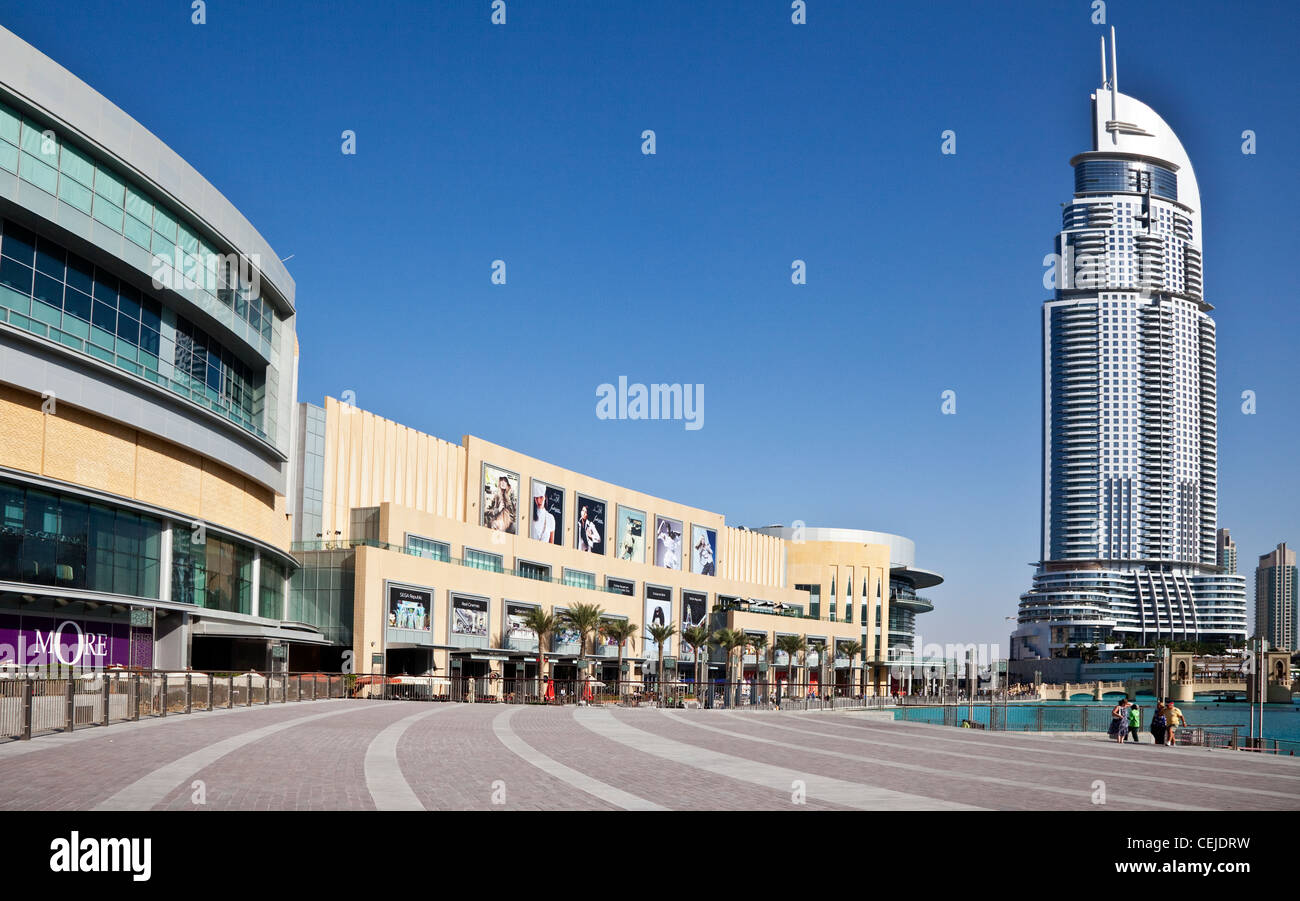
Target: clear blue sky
775	142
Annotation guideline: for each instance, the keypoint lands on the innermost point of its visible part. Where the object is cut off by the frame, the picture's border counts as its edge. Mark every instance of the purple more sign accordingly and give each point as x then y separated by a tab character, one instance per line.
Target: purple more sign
50	641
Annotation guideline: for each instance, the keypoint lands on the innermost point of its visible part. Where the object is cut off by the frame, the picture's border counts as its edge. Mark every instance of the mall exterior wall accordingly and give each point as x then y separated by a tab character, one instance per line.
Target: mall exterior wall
413	514
145	417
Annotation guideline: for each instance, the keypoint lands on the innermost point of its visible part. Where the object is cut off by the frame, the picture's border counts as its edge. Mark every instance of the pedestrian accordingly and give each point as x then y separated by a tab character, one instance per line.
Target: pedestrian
1173	718
1134	722
1159	724
1119	721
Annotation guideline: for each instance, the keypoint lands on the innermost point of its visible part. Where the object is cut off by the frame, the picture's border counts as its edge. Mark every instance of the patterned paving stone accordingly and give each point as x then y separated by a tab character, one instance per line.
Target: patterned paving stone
346	755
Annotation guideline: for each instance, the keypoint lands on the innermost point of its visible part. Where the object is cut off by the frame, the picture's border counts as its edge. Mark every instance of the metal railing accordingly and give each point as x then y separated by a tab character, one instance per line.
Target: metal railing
628	693
997	715
37	703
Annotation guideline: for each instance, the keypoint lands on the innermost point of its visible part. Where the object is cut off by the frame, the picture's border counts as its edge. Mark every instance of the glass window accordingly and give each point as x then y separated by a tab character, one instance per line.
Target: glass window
425	547
164	225
128	322
108	187
53	539
137	231
483	560
77	304
533	570
579	579
50	259
18	243
75	165
15	275
74	194
139	206
9	125
271	590
34	140
44	176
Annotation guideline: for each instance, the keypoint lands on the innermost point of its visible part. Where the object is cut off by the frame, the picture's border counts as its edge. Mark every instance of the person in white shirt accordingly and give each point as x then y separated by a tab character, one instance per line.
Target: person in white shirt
543	519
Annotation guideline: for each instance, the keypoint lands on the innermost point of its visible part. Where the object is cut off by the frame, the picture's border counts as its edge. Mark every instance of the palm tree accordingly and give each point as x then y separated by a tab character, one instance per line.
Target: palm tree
587	619
660	633
851	649
759	641
622	631
793	645
544	624
696	638
729	640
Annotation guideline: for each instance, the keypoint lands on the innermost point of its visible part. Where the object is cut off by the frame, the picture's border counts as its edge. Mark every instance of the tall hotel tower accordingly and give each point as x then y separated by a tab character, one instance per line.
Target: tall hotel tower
1130	433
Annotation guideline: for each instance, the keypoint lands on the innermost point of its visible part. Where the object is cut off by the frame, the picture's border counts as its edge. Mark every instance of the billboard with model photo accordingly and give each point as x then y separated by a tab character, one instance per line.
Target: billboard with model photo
500	499
668	542
589	526
546	513
704	550
658	612
631	534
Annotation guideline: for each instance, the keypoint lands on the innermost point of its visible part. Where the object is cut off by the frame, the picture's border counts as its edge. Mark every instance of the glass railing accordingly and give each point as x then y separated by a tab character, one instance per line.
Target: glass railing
766	611
531	575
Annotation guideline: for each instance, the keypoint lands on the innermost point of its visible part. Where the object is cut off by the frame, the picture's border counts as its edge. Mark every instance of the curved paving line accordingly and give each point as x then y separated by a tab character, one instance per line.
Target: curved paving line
384	780
582	782
1092	770
1023	740
777	778
119	728
149	790
917	768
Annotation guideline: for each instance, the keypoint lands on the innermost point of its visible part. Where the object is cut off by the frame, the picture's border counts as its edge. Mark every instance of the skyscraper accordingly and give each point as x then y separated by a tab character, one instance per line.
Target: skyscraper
1277	584
1226	555
1129	403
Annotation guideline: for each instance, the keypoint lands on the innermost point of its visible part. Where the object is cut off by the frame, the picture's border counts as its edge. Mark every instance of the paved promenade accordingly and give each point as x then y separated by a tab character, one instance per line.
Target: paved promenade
391	755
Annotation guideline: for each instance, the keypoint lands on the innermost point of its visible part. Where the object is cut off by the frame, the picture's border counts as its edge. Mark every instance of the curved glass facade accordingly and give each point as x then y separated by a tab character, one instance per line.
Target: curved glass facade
39	157
50	538
216	573
1120	176
47	290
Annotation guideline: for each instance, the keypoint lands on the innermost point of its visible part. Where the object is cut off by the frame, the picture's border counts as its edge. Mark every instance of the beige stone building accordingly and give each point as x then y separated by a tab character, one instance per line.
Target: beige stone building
431	553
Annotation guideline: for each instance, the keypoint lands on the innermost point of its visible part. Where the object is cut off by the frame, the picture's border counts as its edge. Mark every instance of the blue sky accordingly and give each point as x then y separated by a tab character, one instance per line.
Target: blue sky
775	142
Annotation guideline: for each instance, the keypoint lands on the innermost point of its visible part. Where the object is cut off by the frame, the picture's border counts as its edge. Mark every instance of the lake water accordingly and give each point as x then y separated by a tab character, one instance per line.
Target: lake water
1281	721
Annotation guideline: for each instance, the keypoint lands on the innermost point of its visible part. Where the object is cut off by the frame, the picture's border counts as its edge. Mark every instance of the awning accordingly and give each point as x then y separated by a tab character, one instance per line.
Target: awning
213	629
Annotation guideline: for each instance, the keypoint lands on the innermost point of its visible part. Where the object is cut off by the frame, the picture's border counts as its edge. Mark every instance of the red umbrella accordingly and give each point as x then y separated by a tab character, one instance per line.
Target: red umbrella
586	691
550	690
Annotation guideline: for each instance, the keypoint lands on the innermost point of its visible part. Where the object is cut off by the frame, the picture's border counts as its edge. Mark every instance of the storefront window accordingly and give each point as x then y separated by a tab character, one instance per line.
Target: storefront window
271	590
214	573
49	538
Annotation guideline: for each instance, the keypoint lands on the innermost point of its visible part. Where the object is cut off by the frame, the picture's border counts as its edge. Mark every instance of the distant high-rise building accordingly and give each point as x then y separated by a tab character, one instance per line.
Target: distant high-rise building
1225	552
1130	449
1277	590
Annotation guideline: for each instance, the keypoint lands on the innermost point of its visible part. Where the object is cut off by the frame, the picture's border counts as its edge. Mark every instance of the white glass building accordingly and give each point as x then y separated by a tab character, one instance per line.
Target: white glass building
1129	404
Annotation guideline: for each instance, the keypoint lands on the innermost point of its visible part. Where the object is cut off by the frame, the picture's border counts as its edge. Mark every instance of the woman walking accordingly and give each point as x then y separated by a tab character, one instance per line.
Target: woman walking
1119	721
1159	724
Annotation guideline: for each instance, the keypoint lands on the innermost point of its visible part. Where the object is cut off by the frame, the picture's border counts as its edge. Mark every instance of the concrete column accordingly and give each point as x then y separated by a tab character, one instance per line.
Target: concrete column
284	601
165	562
255	601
